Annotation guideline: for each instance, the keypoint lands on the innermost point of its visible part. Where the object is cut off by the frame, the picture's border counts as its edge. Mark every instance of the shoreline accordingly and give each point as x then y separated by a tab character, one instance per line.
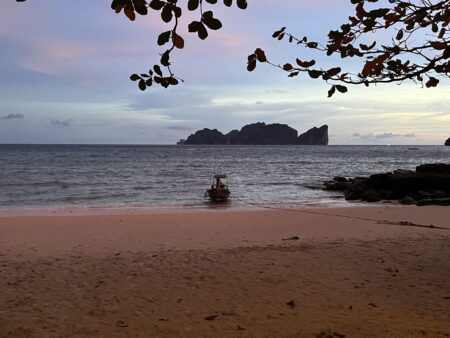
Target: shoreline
48	210
222	228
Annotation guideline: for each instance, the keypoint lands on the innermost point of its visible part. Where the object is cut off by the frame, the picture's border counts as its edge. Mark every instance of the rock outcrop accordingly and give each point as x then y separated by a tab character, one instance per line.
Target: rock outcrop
447	143
314	136
265	134
259	134
429	184
207	136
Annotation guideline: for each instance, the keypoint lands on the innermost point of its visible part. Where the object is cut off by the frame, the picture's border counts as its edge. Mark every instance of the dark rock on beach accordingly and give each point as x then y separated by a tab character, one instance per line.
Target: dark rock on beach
428	185
442	168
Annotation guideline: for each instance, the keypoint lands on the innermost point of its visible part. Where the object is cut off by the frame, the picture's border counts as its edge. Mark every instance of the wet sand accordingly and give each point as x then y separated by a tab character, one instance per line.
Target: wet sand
359	272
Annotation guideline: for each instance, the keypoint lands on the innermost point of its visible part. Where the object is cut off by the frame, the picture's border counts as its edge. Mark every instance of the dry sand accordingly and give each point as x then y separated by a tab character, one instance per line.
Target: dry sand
357	272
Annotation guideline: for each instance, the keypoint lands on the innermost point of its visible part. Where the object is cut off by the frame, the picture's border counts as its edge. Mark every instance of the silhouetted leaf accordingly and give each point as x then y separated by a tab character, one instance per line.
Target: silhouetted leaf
193	4
251	65
157	4
334	71
305	64
142	85
242	4
260	55
341	89
166	13
135	77
210	21
432	82
165	59
315	74
172	81
157	70
177	40
332	91
287	67
438	45
199	28
164	37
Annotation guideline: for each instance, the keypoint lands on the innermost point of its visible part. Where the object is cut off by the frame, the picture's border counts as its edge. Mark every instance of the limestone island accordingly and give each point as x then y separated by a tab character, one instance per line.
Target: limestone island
259	134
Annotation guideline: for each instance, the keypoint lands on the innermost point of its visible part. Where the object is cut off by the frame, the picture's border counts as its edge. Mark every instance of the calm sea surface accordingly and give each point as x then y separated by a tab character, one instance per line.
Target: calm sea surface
174	176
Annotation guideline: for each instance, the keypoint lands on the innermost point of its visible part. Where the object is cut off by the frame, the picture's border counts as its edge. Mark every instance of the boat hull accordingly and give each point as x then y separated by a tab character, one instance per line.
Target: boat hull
218	195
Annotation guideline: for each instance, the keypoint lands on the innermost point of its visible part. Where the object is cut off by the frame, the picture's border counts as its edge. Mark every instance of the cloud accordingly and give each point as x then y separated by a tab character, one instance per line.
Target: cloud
180	127
386	135
375	136
383	135
14	116
174	99
63	123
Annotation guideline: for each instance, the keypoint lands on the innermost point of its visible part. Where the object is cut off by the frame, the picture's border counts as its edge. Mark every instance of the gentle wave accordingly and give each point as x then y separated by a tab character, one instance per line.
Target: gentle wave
42	175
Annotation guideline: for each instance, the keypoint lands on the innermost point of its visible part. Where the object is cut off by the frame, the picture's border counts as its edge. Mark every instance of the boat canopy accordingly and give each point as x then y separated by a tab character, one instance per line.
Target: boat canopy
220	176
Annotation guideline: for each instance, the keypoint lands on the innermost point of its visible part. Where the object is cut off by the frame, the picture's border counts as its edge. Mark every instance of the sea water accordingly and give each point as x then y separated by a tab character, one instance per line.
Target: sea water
177	176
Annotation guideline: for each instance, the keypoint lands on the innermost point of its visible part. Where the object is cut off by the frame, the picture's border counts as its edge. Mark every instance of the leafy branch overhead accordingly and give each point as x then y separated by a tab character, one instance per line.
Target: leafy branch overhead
170	13
419	49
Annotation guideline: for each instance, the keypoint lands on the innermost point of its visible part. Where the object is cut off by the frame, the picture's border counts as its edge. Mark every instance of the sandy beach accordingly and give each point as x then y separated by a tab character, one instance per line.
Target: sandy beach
322	272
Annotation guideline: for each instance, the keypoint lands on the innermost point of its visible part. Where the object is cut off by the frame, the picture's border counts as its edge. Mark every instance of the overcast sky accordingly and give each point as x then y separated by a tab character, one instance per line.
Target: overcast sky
65	67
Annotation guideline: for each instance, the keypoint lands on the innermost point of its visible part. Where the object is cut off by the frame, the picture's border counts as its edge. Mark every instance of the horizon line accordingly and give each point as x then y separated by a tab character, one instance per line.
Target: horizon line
212	145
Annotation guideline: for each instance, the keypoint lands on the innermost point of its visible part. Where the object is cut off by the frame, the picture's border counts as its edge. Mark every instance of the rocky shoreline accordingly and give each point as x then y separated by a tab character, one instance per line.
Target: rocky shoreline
429	184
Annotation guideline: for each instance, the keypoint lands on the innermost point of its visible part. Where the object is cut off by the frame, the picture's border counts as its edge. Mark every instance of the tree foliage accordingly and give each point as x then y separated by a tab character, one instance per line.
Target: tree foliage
171	12
419	49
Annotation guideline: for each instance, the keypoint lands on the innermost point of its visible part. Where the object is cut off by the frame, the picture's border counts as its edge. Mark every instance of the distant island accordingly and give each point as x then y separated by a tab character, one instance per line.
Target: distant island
259	134
447	143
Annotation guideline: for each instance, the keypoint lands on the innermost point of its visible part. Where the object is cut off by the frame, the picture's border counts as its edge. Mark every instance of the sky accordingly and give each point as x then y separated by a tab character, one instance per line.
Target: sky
65	67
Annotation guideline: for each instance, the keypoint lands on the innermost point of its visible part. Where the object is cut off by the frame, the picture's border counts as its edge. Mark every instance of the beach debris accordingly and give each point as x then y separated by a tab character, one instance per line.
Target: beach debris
227	313
373	305
291	304
377	260
211	317
21	332
350	307
410	224
330	334
293	238
240	328
391	270
179	300
121	323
